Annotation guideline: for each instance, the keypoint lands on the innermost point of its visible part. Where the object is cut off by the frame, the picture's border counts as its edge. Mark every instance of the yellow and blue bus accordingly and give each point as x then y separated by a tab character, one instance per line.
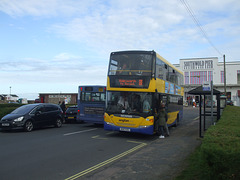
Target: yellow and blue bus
137	83
91	104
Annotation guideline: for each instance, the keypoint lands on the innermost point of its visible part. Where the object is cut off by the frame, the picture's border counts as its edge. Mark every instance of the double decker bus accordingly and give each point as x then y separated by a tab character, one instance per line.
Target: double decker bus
91	104
137	83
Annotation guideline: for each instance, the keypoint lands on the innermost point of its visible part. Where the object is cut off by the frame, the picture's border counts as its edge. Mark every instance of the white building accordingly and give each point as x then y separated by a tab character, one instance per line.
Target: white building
198	70
9	97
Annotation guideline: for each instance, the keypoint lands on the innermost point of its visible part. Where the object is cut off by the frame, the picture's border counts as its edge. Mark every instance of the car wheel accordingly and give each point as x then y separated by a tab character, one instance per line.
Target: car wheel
28	126
58	123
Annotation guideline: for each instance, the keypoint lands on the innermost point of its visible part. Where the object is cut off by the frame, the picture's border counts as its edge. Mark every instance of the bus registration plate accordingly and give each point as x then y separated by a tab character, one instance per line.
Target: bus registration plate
125	129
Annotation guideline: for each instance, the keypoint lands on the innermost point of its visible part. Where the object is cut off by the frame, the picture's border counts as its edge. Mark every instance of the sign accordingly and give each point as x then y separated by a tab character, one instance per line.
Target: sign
88	88
59	96
206	86
131	82
201	64
94	110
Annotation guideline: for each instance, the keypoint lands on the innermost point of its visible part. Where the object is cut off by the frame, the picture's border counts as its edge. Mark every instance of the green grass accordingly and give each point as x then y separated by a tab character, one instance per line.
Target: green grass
218	157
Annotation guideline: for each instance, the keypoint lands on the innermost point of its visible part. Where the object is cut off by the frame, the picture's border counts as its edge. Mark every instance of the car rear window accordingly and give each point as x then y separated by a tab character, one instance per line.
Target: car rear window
73	109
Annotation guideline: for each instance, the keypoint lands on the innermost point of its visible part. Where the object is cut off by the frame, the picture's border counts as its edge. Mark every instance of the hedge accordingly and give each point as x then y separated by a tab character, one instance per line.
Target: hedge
7	108
218	157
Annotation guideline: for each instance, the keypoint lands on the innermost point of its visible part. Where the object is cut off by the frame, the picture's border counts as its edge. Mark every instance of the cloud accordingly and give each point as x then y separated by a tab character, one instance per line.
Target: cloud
45	8
94	28
63	68
149	25
129	25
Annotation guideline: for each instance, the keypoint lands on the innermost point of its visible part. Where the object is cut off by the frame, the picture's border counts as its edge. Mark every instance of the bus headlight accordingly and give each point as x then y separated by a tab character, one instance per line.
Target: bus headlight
150	120
108	123
143	126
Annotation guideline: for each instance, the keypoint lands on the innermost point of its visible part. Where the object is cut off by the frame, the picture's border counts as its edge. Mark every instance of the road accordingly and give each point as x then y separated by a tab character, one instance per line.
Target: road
86	151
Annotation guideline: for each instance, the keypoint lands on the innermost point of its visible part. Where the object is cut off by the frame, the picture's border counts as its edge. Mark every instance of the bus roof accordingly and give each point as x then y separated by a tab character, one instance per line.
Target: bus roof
148	52
91	86
133	51
164	60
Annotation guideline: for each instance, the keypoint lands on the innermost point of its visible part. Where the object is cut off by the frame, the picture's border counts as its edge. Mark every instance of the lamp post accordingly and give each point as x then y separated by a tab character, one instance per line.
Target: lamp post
10	90
224	66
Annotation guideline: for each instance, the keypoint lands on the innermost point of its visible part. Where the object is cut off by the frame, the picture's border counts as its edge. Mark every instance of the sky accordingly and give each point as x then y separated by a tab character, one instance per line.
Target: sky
53	46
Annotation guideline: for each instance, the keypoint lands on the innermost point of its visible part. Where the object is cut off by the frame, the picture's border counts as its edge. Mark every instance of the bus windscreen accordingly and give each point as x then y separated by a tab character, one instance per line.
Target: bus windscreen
131	64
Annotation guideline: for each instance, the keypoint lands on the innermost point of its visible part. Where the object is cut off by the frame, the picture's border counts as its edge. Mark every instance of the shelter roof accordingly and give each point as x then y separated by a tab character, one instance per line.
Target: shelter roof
199	91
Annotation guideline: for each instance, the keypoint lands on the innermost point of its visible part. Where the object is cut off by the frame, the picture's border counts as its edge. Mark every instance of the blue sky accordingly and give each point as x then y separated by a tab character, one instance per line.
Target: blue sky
56	45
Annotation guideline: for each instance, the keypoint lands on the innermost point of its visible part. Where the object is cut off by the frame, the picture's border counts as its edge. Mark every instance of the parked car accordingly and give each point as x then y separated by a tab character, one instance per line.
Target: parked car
71	114
208	103
229	102
31	116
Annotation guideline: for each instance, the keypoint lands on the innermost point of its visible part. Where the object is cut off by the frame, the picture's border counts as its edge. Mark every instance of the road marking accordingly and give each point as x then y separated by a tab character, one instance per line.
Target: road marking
98	137
110	133
196	118
78	132
135	142
80	174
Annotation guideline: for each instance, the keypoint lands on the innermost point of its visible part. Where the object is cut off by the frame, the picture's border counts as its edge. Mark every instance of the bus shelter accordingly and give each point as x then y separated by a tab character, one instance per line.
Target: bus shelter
206	115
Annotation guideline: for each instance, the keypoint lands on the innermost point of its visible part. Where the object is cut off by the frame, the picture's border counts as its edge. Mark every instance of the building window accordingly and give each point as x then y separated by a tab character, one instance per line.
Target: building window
222	76
186	78
210	76
198	77
238	76
203	76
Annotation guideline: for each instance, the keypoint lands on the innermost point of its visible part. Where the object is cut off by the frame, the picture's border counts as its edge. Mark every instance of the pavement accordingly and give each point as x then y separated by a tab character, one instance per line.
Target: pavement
160	159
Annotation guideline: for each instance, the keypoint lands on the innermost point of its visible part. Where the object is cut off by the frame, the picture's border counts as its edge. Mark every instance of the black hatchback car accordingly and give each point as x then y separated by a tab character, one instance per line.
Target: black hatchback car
71	114
33	115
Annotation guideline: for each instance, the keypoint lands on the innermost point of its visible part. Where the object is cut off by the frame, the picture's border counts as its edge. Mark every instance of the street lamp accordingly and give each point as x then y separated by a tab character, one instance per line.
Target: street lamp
10	90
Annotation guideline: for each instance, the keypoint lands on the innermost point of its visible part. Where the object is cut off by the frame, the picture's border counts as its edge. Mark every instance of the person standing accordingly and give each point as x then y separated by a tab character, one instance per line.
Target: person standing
194	103
162	119
63	107
166	119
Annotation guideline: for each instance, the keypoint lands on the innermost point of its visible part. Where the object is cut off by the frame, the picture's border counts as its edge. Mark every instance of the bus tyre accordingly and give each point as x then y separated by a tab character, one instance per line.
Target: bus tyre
28	126
177	121
58	122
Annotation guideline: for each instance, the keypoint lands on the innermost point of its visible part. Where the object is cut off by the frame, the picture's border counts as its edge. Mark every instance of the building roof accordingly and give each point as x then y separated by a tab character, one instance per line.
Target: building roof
4	95
198	58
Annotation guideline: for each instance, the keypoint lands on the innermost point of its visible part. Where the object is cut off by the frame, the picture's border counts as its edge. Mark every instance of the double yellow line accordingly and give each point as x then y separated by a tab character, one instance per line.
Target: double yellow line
78	175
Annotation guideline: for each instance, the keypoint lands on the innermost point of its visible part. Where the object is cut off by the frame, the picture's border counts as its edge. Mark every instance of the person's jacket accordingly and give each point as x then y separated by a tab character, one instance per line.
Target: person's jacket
162	118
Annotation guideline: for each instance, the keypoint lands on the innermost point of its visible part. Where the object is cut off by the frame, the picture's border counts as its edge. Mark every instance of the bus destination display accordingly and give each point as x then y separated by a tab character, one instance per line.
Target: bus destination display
131	82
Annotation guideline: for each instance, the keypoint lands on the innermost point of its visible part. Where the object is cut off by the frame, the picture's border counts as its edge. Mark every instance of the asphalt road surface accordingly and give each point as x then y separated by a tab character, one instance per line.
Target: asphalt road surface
85	151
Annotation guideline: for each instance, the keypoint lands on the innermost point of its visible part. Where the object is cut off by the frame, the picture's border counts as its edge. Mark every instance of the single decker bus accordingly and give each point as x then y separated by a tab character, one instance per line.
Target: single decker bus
138	82
91	104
